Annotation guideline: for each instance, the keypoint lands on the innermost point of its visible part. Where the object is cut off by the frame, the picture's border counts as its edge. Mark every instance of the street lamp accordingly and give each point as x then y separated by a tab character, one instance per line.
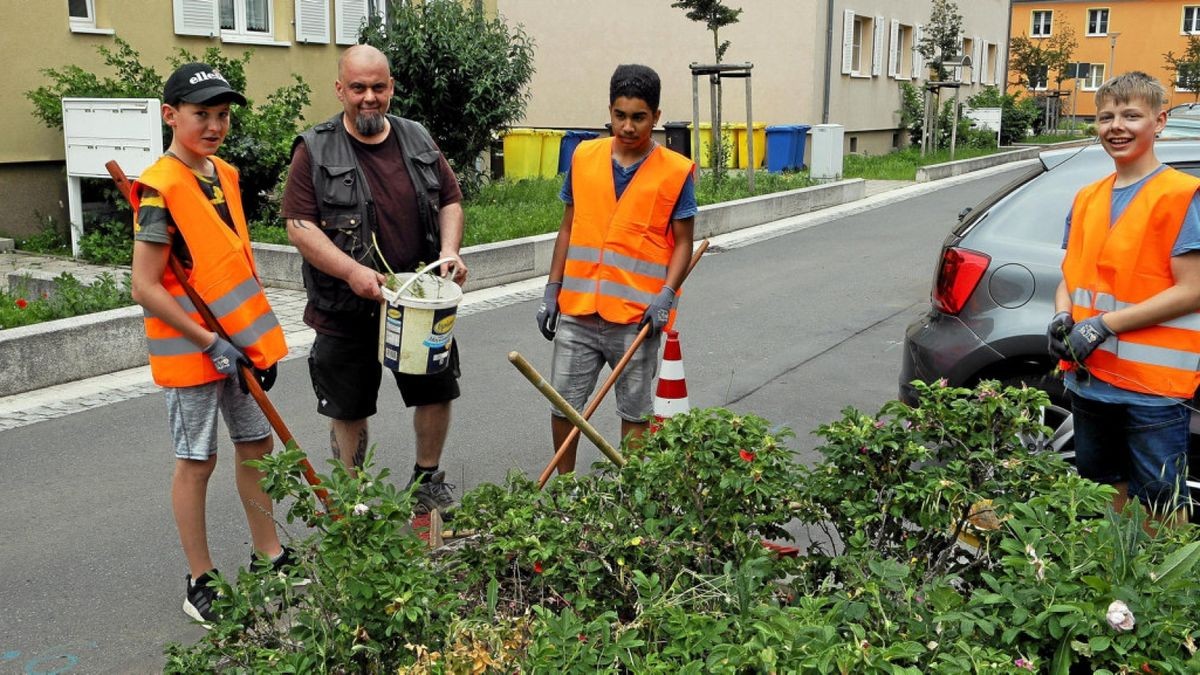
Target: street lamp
1112	49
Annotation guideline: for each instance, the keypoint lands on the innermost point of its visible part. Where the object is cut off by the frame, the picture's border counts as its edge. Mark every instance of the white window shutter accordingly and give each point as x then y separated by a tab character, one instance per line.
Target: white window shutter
976	71
894	52
984	71
877	48
918	61
847	41
1001	76
196	17
312	21
350	16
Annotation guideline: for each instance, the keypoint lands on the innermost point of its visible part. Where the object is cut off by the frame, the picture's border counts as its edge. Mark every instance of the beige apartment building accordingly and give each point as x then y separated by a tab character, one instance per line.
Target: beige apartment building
814	61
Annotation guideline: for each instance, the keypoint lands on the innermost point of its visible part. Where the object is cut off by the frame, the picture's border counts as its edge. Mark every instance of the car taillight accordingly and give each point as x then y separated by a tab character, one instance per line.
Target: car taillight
957	278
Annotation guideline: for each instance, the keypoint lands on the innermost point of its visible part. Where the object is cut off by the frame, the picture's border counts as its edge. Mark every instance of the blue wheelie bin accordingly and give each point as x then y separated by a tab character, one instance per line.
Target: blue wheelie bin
785	147
569	142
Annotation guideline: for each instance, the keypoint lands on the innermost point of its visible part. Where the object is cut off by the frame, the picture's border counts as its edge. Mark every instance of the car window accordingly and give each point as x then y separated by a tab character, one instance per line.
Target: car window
1037	211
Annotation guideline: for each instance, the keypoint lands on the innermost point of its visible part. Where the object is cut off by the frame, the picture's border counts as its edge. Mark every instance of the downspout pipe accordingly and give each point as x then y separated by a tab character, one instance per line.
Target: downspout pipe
828	60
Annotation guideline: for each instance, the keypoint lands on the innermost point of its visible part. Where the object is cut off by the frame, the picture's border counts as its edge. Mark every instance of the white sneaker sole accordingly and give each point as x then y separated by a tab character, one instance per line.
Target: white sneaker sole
194	614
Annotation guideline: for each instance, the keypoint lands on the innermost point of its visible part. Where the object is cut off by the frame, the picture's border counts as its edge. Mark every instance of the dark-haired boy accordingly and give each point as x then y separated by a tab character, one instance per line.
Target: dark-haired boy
187	205
622	251
1127	325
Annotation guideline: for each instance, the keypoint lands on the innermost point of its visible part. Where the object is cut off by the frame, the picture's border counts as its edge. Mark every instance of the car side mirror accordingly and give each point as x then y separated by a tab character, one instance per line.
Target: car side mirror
963	214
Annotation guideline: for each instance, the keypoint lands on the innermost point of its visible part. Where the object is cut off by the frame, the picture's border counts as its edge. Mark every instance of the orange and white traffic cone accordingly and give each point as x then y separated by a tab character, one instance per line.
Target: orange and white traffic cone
671	397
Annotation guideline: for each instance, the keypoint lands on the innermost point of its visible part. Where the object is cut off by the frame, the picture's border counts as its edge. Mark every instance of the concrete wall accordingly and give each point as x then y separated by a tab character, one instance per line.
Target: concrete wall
30	192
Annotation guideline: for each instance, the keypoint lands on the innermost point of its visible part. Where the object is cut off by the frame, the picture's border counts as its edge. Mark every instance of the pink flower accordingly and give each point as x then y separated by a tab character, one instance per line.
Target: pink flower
1023	663
746	455
21	303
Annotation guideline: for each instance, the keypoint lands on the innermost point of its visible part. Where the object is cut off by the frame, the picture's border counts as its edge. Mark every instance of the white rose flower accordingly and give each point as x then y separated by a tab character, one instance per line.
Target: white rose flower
360	509
1119	617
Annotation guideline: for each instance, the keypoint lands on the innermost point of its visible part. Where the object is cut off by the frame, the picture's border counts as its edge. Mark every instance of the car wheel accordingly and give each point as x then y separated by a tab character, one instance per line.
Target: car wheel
1056	415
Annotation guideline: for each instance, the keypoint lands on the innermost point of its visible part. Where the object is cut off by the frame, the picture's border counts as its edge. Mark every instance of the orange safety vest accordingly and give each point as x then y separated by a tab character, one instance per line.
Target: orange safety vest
222	273
619	249
1110	266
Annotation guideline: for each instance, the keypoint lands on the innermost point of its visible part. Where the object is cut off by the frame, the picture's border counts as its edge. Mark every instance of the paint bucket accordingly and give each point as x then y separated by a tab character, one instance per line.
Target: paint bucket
416	322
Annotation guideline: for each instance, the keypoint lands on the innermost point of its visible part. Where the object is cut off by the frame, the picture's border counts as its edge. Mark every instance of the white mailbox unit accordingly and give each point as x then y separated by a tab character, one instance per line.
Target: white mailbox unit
98	130
827	151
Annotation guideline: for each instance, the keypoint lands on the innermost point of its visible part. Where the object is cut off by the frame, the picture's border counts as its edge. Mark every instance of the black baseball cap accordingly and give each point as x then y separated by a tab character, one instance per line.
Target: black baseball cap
199	83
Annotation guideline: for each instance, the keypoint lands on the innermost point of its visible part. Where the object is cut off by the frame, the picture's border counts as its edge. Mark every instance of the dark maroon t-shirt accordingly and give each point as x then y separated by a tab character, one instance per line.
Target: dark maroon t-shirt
400	235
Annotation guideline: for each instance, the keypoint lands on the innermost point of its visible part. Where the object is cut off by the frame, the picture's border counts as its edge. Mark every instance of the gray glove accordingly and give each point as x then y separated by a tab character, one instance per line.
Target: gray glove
547	314
1085	337
225	357
658	313
1056	333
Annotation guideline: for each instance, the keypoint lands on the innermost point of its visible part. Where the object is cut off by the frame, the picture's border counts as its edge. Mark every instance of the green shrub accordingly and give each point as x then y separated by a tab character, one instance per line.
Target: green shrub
107	243
942	539
70	298
52	238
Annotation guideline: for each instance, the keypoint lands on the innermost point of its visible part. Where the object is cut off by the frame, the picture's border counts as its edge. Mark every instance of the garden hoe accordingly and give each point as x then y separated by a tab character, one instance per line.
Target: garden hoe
256	390
608	383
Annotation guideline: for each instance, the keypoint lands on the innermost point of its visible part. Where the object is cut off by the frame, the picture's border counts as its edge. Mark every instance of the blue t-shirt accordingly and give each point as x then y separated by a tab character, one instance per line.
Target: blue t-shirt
1188	240
685	206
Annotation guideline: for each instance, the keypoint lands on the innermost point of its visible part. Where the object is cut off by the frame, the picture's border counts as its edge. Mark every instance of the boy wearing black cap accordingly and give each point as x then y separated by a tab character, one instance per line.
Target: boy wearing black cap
188	205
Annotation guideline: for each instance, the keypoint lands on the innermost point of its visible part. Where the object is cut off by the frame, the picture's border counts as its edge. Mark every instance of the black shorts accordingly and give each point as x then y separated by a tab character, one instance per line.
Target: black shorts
346	374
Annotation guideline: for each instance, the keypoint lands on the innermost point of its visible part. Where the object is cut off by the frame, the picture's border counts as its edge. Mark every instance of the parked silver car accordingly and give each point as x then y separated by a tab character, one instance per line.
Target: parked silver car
993	290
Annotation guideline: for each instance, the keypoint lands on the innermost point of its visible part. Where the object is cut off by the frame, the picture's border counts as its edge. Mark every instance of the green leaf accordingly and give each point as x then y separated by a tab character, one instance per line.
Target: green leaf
1179	563
1061	665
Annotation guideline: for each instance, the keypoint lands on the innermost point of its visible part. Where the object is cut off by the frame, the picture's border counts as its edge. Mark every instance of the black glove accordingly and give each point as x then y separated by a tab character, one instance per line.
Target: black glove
547	314
225	357
658	313
1056	333
265	377
1085	337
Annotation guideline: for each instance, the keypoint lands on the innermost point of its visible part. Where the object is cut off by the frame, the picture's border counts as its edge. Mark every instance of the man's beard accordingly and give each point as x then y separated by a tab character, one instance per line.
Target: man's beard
369	124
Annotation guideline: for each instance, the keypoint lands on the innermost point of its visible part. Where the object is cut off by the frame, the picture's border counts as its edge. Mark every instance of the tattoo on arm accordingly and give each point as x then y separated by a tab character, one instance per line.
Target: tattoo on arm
297	223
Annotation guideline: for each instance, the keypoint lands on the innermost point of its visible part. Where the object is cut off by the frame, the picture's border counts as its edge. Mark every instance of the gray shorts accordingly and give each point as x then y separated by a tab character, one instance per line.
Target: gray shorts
192	413
584	344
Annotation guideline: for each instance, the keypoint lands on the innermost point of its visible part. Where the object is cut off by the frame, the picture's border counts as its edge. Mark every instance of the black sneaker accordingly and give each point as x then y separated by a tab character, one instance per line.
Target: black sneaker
198	601
285	564
433	493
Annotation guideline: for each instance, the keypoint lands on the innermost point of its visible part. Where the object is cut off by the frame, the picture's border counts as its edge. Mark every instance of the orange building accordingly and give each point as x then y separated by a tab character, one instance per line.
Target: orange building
1114	36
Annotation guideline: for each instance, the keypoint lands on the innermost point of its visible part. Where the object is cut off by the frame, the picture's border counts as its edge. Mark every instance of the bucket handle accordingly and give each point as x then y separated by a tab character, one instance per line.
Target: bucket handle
424	270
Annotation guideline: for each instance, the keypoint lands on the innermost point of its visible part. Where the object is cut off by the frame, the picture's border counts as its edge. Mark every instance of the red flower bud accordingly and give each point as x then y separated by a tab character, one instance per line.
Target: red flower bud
21	304
537	567
746	455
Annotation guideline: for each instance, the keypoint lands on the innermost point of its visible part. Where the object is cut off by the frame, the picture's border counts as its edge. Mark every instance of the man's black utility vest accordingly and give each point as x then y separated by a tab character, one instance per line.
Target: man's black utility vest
347	210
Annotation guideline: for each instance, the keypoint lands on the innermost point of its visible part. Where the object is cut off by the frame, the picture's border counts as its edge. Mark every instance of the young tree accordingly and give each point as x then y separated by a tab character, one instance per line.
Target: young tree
1032	60
942	36
1185	69
715	16
463	75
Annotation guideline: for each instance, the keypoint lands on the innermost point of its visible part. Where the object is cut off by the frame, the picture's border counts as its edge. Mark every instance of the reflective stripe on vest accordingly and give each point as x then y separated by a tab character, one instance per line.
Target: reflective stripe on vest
1112	266
619	249
223	274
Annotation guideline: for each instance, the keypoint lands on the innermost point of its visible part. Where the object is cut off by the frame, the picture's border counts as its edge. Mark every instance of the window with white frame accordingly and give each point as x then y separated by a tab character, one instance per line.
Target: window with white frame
81	15
1191	19
863	39
246	19
1095	77
966	47
1039	78
1097	21
1040	23
862	31
900	54
991	54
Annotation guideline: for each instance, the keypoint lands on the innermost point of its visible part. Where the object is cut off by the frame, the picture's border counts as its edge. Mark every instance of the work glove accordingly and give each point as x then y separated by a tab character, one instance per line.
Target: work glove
225	357
265	377
1056	333
547	314
1085	337
659	311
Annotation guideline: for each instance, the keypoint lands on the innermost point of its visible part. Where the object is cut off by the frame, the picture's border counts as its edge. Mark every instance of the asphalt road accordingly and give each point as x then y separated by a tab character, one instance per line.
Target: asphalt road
794	329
